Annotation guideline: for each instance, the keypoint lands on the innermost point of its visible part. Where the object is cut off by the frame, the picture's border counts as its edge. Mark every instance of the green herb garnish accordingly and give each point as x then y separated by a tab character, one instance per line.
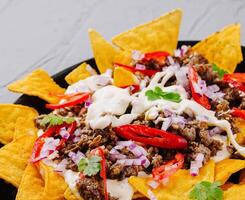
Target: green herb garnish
90	166
206	191
53	120
157	93
220	71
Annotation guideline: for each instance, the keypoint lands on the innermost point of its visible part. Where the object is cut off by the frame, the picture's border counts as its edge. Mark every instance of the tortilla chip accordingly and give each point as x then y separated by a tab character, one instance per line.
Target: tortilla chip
240	138
123	77
179	186
226	186
69	195
138	195
222	48
14	158
79	73
25	127
9	115
242	177
55	185
160	34
31	185
225	168
235	192
123	57
104	52
38	83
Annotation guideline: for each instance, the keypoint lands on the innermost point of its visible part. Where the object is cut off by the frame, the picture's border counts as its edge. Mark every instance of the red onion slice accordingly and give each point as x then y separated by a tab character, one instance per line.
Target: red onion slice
140	66
153	184
61	167
76	157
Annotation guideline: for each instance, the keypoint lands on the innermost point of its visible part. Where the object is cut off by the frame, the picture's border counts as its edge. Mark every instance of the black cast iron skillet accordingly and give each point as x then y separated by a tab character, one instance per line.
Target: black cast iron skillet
7	191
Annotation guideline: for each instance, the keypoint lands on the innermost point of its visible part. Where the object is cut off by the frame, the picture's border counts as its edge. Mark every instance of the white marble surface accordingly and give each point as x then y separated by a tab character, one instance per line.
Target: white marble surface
52	34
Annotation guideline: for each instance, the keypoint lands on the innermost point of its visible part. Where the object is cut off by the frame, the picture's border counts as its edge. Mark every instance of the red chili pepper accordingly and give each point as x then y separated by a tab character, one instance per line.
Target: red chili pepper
201	99
238	113
151	136
99	151
39	144
156	55
147	72
74	100
236	80
169	168
50	132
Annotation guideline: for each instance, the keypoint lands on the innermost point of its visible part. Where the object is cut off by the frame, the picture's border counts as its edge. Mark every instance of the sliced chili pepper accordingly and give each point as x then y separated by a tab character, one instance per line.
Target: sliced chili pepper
99	151
169	168
236	80
239	77
65	96
151	136
147	72
74	100
156	55
238	113
201	99
50	132
39	144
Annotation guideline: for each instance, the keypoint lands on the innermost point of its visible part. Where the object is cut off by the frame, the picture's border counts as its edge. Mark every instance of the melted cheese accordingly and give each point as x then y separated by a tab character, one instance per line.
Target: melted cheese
90	84
71	178
108	103
223	153
120	189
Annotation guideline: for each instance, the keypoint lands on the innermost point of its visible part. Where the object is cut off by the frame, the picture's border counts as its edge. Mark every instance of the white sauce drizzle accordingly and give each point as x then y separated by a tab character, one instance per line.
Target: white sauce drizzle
120	189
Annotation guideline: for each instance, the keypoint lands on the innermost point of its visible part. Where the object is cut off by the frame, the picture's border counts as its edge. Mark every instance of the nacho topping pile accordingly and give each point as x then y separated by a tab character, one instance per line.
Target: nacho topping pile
158	121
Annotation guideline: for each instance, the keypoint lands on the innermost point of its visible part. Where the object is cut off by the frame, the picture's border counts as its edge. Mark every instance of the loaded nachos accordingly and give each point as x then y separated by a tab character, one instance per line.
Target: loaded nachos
156	123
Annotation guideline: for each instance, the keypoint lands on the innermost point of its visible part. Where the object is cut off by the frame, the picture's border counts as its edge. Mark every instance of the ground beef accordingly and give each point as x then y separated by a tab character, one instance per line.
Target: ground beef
189	133
206	73
153	64
92	189
196	148
120	172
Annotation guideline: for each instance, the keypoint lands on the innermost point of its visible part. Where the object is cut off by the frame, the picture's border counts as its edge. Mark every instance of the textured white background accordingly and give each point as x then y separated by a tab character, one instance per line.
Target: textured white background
52	34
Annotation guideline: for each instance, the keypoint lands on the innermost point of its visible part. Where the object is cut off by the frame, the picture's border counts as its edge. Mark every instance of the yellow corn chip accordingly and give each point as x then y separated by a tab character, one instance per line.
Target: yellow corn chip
240	138
225	168
235	192
242	177
69	195
179	186
31	185
38	83
222	48
14	158
227	185
123	77
137	195
160	34
25	127
123	57
55	185
104	52
9	114
81	72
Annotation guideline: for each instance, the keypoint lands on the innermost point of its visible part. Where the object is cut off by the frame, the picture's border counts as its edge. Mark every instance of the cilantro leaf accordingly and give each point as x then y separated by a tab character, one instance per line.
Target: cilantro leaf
90	166
157	93
52	120
220	71
206	191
